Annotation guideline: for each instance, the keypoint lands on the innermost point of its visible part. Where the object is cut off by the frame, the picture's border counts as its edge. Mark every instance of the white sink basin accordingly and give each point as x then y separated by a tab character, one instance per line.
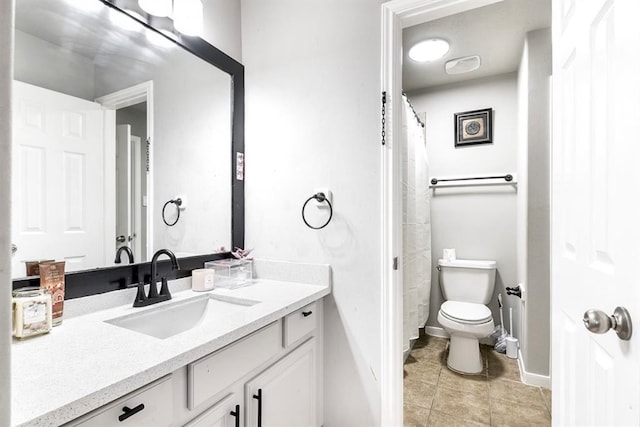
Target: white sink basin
172	318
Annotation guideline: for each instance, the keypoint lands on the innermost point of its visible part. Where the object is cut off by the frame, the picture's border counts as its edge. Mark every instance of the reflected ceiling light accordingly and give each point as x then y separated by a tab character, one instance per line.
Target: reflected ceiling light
156	7
188	16
429	50
462	65
123	21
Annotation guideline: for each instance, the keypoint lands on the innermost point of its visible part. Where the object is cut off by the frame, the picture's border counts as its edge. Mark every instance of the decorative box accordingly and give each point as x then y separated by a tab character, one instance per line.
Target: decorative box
231	273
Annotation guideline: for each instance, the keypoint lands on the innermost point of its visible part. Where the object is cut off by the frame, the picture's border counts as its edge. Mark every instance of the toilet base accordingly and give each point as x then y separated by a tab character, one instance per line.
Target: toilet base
464	355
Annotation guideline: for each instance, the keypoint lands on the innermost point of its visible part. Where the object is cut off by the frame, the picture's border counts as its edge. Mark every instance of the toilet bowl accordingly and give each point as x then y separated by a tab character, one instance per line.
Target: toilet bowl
467	286
465	323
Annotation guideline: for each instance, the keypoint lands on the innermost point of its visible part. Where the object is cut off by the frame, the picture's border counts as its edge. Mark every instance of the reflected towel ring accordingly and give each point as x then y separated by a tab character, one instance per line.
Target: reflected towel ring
319	197
178	203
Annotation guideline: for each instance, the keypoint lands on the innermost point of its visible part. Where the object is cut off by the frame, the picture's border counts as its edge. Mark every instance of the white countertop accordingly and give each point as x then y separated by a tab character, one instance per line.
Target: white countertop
86	363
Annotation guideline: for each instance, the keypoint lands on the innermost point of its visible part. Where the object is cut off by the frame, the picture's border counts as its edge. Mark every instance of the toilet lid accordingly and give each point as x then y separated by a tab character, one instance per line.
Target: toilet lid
466	312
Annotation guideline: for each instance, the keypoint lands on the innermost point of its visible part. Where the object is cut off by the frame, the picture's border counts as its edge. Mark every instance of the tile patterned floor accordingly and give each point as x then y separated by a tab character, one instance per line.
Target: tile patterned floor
434	396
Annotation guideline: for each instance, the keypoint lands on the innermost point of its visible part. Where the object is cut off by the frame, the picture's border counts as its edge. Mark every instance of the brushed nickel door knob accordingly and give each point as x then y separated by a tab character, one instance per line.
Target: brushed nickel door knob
599	322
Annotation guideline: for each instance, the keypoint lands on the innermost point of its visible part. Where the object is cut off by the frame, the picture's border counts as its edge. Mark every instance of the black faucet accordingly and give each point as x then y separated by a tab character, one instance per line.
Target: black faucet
153	296
121	249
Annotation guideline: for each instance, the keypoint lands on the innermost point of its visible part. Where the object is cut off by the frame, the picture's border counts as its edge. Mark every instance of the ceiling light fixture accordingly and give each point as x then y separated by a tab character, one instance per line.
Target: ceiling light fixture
187	15
429	50
156	7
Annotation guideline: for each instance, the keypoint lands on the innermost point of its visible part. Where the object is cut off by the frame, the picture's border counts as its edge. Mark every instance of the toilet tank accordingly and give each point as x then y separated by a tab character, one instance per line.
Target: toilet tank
467	280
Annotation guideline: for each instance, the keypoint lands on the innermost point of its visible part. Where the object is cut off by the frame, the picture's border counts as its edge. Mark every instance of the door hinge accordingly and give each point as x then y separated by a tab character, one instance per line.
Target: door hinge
395	263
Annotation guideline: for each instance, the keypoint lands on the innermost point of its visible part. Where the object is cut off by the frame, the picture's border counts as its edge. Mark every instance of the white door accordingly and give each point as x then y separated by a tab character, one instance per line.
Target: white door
595	209
137	229
124	231
129	197
58	180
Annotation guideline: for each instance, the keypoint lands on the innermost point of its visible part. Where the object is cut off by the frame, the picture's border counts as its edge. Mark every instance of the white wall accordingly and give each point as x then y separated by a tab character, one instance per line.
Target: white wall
534	200
6	79
479	222
313	120
222	26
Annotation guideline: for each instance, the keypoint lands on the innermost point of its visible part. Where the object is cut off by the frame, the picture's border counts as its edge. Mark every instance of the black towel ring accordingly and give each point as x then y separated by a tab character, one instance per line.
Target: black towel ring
178	203
319	197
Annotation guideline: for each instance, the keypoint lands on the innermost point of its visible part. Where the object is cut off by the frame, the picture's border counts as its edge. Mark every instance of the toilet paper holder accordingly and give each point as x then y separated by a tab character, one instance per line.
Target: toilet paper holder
516	290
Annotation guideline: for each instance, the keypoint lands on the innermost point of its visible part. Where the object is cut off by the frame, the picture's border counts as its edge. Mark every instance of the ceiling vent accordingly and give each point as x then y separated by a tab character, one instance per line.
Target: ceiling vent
462	65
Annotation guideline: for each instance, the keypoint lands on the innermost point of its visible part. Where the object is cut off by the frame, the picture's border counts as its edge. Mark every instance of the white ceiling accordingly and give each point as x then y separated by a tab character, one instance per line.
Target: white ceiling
88	31
495	32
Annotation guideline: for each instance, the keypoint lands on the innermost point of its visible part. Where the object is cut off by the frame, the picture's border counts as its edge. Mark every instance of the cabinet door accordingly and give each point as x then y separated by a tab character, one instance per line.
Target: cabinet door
225	413
285	393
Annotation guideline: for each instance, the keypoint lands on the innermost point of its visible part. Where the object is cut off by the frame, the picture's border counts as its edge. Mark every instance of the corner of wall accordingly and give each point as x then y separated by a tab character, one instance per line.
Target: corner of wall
6	78
534	206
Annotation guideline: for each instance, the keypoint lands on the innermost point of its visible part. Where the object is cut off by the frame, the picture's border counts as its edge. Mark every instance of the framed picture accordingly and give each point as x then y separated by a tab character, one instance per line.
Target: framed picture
473	127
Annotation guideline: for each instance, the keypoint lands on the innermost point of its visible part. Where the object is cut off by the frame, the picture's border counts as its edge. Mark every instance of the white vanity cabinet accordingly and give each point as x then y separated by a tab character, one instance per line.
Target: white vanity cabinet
271	378
268	378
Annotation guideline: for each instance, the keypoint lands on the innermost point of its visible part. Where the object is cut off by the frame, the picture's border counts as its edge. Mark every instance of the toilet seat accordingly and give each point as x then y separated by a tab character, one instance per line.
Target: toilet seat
466	312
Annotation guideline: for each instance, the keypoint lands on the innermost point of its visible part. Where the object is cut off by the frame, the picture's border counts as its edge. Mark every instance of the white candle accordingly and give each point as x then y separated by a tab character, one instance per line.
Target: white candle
202	279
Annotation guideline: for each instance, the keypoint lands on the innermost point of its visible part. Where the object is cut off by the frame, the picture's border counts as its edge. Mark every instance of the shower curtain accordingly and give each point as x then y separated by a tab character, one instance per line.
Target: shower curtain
416	226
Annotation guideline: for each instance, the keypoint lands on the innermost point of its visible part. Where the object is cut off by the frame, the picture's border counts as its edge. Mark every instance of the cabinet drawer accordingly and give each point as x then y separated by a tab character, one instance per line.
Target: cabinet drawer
153	403
214	373
299	323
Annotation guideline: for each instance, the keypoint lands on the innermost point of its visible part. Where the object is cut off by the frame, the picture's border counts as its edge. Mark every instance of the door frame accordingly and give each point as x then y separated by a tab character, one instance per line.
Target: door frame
133	95
396	15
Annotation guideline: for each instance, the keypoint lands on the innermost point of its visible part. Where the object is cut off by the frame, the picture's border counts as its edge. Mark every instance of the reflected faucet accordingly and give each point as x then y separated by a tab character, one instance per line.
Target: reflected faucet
153	296
121	249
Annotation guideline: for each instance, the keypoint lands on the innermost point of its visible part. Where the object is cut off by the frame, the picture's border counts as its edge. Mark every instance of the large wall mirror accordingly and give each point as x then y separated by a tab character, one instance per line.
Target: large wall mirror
113	123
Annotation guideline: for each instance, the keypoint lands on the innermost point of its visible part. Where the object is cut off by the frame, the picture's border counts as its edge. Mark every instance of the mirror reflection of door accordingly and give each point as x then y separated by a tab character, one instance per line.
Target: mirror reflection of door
131	179
58	148
124	233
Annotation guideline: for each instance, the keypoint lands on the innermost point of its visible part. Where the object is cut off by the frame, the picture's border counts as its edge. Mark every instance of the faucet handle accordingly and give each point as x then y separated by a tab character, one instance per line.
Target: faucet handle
164	288
141	298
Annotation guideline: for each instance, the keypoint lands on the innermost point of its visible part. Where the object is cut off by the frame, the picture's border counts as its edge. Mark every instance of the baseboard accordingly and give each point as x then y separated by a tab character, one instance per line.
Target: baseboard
531	378
435	331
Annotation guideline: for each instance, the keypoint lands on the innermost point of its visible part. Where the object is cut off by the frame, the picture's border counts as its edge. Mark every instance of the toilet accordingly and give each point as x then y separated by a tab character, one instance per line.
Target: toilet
467	286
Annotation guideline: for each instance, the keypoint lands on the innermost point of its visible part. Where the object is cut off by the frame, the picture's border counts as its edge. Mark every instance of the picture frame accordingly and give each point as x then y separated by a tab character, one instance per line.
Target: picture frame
473	127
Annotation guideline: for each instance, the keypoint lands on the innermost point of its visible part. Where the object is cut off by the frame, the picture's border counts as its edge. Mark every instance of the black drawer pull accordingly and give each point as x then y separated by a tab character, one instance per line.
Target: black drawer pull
236	414
259	398
307	313
129	412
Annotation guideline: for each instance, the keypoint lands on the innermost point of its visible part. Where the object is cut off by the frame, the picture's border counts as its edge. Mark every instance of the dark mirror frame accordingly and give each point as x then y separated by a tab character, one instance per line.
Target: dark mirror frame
95	281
